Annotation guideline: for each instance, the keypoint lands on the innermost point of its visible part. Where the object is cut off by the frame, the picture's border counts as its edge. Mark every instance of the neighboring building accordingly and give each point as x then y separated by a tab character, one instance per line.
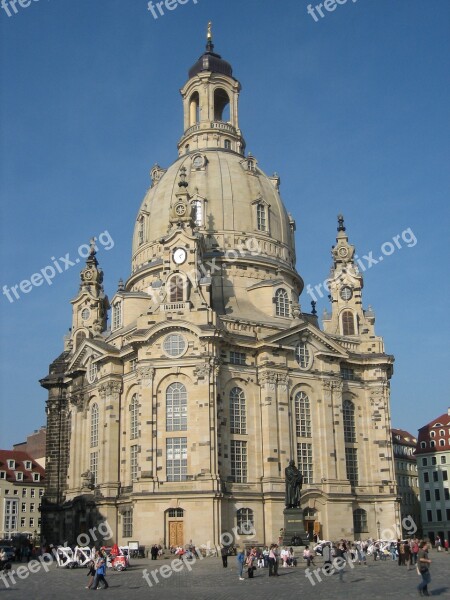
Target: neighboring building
22	482
404	445
177	424
433	461
35	446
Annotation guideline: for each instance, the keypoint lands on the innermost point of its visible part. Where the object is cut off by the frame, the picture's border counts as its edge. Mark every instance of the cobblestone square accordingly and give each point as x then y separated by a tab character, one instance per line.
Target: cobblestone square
206	580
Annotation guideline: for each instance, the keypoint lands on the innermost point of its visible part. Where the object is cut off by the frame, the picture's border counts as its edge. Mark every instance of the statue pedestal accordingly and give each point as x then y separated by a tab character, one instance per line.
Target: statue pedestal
294	529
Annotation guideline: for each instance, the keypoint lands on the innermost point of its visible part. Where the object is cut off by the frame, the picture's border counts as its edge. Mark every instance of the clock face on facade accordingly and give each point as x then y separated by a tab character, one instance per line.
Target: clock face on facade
179	255
346	293
88	274
180	209
343	252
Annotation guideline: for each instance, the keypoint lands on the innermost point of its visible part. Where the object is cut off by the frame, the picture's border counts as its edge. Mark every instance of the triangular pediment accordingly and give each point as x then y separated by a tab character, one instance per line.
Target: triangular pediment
307	333
90	349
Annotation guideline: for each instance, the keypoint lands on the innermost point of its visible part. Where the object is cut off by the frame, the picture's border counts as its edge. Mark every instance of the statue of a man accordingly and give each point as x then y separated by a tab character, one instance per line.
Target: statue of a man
294	481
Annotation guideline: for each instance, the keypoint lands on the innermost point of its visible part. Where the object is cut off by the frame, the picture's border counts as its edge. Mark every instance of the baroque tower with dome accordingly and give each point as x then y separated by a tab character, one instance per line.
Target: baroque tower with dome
176	423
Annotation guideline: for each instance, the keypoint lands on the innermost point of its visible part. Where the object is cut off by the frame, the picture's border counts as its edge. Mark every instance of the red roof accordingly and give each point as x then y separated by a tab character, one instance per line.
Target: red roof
405	437
435	436
20	459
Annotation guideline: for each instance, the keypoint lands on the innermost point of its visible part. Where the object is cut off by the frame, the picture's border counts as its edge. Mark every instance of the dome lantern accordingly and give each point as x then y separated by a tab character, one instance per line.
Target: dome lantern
210	103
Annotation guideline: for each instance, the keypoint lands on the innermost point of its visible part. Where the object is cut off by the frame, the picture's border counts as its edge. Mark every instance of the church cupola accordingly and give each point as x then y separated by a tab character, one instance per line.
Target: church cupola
90	307
210	102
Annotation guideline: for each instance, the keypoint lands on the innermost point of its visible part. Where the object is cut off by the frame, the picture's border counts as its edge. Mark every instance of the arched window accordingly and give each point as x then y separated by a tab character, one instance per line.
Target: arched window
302	415
441	432
194	109
238	418
348	410
227	145
176	285
92	372
432	444
198	212
348	323
176	407
423	444
117	315
221	105
261	217
281	303
245	521
134	417
432	433
360	521
141	225
79	338
441	442
94	425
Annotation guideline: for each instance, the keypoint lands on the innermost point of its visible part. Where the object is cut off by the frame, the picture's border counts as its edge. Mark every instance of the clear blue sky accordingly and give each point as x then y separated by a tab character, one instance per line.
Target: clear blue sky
351	111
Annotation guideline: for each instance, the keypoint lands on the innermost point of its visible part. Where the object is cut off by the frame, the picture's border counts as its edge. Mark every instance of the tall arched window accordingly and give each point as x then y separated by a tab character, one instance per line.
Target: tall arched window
194	109
245	521
261	218
141	227
348	410
117	315
176	407
348	323
360	521
281	303
94	425
238	417
221	105
176	285
79	338
134	417
302	415
198	212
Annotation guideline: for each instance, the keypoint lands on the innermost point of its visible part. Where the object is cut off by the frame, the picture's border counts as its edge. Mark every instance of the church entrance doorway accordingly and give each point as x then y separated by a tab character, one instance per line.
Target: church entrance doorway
175	527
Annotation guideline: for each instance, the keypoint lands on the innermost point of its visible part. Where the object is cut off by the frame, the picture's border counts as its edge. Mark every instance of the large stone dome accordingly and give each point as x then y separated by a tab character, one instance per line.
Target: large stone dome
229	187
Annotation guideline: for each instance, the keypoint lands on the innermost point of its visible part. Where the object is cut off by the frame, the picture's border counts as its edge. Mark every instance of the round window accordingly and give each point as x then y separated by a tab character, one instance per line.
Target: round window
85	314
303	355
174	345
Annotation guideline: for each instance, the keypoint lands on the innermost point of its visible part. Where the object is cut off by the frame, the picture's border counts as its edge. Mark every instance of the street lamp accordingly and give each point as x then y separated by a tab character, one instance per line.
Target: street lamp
378	529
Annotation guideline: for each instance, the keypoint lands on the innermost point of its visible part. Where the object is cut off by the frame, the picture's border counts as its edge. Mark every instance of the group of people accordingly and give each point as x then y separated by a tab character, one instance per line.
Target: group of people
156	550
269	557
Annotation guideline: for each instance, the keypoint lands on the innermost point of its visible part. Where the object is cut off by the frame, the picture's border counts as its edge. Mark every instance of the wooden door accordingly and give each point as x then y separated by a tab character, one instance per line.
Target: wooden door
176	533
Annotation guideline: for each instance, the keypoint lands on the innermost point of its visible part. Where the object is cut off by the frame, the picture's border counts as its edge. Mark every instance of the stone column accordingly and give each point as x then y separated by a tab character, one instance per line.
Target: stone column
147	424
109	438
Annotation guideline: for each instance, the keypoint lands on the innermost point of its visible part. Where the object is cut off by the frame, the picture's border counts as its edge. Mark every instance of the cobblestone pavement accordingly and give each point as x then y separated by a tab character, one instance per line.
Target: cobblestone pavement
208	580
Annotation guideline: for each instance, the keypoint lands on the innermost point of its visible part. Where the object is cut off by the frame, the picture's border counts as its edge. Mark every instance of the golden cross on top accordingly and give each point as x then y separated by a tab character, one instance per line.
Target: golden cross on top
209	36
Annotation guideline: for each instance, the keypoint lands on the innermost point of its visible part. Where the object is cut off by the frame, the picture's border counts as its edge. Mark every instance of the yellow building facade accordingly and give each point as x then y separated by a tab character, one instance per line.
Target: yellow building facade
178	421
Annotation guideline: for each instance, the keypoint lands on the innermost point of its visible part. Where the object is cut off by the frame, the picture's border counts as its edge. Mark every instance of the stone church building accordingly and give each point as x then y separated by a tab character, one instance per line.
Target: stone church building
175	422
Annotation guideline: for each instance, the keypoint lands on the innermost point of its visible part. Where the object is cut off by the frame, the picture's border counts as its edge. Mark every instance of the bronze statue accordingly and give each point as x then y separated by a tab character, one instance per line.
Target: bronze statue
294	481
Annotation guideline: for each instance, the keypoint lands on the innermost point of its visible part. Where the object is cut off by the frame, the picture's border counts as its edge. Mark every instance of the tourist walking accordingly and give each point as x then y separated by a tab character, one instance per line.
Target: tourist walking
240	558
423	566
273	561
100	570
224	554
91	574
